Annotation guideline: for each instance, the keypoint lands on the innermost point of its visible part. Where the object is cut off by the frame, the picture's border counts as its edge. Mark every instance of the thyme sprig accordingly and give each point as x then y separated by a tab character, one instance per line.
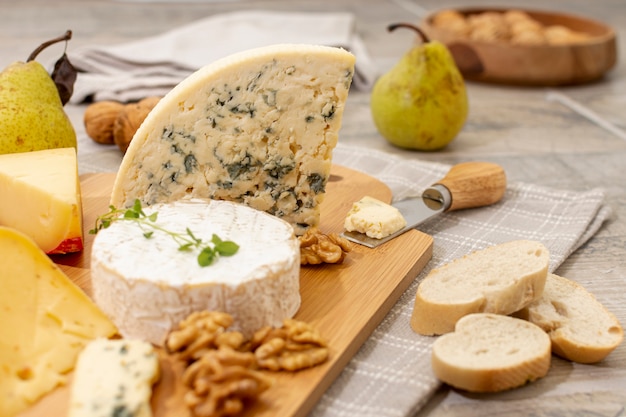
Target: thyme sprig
208	251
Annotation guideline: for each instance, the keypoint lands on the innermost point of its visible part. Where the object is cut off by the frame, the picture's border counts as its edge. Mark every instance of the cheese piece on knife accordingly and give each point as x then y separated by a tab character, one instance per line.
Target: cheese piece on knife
257	127
45	321
374	218
41	197
114	378
148	286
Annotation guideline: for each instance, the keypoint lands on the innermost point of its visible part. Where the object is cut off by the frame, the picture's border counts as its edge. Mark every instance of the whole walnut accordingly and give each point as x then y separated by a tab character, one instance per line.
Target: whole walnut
99	118
129	120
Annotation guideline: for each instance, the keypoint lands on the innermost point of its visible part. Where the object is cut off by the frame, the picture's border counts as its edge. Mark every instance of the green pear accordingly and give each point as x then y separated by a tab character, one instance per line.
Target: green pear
421	103
32	116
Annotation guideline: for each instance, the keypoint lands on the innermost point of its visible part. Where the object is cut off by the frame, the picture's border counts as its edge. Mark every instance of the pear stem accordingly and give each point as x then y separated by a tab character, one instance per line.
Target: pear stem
65	37
421	34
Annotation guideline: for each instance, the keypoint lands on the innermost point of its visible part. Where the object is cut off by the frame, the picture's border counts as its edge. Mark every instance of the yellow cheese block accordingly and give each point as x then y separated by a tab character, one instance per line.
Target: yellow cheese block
41	197
45	322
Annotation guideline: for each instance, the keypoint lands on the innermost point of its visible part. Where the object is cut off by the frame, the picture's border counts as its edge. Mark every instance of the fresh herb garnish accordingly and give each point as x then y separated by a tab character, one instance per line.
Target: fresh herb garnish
209	251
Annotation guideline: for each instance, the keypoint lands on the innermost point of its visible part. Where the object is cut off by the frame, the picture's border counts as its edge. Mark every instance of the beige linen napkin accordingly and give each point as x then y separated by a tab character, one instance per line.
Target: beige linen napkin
391	374
152	66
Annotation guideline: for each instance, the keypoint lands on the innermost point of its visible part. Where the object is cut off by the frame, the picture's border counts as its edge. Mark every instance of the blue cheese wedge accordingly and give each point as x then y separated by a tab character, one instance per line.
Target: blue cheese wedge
114	378
147	286
257	127
374	218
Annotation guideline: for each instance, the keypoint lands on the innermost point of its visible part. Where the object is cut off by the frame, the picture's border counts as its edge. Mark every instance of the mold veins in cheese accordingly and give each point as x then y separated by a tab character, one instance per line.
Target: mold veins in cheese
40	196
257	127
147	286
45	321
114	378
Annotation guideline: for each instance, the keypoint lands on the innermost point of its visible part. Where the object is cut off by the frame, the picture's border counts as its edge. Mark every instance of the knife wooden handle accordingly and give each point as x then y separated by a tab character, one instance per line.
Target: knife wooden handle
474	184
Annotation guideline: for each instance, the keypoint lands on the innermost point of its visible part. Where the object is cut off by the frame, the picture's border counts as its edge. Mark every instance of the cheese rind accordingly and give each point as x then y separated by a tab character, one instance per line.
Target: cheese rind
41	197
45	321
147	286
257	128
374	218
114	378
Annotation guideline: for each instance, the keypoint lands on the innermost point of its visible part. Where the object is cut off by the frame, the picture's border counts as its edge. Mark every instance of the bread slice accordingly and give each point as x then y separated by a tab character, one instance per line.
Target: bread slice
580	327
490	352
501	279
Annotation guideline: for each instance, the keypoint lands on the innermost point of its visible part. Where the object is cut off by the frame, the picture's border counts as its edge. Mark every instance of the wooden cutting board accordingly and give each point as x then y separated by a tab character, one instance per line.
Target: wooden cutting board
345	302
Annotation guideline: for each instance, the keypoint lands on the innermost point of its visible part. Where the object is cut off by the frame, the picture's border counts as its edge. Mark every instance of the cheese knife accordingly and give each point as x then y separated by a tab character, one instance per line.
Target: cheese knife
466	185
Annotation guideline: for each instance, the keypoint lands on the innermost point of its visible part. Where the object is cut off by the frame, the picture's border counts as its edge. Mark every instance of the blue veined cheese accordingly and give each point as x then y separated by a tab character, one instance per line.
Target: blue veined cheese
257	127
374	218
147	286
114	378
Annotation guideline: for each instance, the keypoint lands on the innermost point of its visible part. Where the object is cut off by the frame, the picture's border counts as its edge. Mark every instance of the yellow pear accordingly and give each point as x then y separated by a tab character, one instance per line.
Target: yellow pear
32	116
421	103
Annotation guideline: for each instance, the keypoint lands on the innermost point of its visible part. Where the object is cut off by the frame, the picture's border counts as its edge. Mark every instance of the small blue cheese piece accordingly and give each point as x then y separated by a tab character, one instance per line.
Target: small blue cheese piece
256	128
114	378
374	218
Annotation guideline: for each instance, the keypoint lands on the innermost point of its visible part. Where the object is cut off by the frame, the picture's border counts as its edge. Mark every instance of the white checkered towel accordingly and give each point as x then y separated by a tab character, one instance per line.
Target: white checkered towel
391	374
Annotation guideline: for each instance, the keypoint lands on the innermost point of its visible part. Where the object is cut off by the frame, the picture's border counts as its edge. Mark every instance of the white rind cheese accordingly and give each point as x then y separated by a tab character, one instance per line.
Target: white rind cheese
114	378
374	218
257	127
147	286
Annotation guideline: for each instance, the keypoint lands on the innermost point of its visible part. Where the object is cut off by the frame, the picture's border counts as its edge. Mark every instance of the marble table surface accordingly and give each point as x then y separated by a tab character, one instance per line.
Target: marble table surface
568	137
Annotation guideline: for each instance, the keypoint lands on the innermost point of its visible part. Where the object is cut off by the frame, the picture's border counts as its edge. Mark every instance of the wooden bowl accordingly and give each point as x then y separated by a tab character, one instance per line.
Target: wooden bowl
501	61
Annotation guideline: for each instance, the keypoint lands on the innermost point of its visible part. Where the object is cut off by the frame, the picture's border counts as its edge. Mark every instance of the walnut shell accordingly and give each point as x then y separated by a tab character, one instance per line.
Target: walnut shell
129	120
99	119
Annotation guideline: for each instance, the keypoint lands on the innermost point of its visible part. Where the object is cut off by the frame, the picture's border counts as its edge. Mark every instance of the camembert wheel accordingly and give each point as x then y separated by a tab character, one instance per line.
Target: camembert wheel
147	285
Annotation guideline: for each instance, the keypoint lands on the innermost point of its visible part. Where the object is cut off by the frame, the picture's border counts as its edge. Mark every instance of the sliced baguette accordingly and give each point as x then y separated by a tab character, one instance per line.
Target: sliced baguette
580	327
490	353
501	279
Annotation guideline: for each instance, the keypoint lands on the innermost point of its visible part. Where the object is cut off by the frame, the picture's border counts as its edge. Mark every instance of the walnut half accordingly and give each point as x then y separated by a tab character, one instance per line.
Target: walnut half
222	381
317	248
296	345
201	332
223	368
